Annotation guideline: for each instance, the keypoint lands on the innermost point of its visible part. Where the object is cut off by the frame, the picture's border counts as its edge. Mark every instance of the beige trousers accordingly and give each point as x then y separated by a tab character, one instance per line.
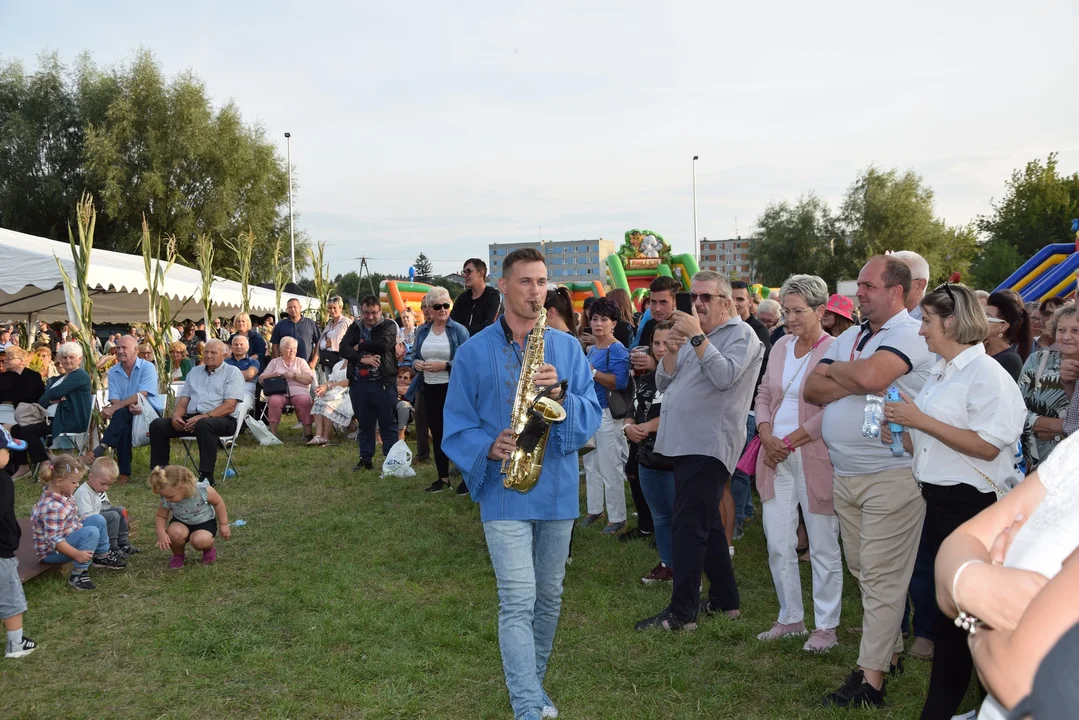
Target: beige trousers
880	520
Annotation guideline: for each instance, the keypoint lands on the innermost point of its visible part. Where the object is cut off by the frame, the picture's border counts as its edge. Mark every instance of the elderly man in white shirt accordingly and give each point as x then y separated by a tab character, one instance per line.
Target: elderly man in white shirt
962	428
919	280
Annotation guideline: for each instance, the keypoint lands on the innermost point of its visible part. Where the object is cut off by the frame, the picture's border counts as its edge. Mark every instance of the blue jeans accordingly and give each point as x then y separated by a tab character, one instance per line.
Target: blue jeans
118	436
658	489
93	535
529	560
923	591
741	489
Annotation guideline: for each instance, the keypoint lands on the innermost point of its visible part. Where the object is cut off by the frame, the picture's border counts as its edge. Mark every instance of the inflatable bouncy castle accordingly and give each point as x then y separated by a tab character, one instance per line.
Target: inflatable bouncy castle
644	256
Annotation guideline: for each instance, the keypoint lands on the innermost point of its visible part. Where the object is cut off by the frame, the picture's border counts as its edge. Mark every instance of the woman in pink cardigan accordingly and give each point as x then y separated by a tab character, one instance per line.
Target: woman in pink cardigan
793	470
299	376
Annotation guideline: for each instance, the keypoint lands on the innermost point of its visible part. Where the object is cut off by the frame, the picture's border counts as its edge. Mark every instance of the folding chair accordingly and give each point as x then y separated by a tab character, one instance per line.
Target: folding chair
228	442
81	441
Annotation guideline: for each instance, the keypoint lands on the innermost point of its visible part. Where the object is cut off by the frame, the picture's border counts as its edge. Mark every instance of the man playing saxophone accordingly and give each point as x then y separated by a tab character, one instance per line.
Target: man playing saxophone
528	533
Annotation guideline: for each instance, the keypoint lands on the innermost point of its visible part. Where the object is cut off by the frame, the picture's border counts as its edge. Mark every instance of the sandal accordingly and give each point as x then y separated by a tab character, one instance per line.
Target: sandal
317	440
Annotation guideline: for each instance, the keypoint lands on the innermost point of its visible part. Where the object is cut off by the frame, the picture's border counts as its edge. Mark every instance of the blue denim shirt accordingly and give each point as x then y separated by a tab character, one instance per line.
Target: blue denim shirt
479	401
143	378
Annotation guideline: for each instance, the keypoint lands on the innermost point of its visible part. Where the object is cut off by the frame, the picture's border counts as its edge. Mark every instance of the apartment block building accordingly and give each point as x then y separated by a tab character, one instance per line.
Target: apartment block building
567	260
730	257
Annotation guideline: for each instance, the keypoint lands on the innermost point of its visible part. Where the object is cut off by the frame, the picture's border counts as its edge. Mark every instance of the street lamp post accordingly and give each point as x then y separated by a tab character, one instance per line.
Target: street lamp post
291	229
696	242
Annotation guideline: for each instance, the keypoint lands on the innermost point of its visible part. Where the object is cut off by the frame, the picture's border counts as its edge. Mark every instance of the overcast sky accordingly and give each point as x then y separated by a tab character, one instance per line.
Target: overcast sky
442	127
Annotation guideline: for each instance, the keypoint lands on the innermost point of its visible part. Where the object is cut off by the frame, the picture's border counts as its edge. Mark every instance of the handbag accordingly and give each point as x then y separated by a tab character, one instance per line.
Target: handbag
275	385
649	458
619	402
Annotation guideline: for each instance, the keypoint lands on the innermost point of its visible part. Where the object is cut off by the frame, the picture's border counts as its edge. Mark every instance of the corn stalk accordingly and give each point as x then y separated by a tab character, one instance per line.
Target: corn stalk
243	248
82	304
204	252
161	319
323	286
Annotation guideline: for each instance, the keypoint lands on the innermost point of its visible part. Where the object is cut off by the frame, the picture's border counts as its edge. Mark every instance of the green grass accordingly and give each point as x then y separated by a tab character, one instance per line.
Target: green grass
350	596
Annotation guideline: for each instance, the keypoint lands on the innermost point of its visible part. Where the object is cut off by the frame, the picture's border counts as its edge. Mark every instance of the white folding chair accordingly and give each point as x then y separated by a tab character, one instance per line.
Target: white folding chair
81	441
228	442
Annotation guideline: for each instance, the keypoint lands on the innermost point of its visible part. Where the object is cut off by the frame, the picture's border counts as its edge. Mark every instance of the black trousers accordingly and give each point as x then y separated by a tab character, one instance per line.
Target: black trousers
374	401
206	431
34	435
946	508
644	514
700	543
434	398
423	432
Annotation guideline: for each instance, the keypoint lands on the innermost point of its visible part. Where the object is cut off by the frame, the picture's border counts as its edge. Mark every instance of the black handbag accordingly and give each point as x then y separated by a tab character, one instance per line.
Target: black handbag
275	385
649	458
620	402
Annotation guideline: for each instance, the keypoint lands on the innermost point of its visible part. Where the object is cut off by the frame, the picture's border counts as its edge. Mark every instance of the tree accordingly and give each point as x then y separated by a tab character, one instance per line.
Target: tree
997	259
885	211
1037	209
424	270
794	239
142	145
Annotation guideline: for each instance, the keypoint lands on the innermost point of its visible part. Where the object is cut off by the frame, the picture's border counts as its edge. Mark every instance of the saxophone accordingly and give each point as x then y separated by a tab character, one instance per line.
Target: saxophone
532	416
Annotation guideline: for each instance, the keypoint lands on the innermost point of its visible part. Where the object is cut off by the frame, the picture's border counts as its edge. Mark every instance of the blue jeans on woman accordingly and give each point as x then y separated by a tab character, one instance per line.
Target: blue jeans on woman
529	559
93	535
658	489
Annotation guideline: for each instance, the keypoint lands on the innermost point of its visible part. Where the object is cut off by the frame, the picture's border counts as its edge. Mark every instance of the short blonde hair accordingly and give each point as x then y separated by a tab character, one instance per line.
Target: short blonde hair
105	467
14	351
178	346
172	476
435	295
969	324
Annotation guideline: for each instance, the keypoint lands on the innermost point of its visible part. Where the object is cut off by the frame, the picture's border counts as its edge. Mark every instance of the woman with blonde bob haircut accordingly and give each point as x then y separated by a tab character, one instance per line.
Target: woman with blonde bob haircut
961	430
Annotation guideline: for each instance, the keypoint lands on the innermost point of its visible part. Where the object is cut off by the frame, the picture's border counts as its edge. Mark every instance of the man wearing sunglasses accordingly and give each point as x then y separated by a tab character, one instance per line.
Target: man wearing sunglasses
478	306
707	378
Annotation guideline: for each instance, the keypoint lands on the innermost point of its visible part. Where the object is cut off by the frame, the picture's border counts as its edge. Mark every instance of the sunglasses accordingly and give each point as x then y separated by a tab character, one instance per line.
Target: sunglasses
440	306
947	288
995	320
467	271
705	297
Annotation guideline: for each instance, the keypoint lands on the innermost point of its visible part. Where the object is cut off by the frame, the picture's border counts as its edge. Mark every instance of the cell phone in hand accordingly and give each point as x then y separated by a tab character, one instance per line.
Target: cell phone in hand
683	303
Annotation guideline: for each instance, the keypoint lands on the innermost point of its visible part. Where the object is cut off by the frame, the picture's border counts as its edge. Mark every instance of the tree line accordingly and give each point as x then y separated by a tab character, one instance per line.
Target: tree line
142	145
889	210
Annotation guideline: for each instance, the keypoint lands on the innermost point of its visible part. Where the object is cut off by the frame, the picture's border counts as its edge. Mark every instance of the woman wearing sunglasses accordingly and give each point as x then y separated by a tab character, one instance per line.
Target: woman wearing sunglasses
436	344
1010	337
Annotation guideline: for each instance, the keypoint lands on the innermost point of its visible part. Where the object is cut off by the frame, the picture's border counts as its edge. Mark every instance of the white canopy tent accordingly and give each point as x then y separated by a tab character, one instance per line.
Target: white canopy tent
32	286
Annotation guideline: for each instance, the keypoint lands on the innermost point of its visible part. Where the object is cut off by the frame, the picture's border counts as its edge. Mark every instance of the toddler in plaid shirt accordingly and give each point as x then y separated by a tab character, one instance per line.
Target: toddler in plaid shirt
59	537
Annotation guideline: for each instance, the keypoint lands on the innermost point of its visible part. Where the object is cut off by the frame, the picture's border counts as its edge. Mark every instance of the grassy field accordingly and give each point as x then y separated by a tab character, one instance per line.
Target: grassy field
350	596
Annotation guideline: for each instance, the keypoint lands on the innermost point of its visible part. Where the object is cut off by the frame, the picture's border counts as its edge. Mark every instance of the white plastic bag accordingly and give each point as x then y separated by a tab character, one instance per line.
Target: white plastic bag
261	432
399	462
140	424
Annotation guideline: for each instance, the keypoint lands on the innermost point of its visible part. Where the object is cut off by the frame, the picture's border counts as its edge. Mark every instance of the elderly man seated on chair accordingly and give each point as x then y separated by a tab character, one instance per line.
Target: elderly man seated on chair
247	364
130	378
205	409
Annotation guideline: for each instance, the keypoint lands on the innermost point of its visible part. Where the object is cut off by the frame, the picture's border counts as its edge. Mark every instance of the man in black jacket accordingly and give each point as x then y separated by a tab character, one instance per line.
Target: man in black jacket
370	346
478	306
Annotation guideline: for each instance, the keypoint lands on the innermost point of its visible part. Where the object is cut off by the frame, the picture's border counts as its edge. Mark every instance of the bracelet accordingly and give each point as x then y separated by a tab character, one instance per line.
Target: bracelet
787	442
964	620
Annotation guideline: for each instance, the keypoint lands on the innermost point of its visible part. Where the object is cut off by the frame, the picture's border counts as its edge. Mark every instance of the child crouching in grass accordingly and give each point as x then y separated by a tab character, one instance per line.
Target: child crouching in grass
92	498
196	509
59	537
12	599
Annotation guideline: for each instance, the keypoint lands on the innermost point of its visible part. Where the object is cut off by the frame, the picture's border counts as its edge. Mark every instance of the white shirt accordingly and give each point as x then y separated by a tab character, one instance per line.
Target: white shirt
89	501
794	369
436	347
972	392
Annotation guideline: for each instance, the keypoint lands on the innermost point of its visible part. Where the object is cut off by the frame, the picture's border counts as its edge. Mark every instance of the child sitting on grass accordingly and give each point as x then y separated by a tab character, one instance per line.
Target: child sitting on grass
196	509
12	599
92	498
59	537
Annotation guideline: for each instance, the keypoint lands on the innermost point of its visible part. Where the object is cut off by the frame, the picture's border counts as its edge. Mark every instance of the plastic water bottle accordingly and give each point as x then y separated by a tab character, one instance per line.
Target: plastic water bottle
896	428
238	523
230	473
874	416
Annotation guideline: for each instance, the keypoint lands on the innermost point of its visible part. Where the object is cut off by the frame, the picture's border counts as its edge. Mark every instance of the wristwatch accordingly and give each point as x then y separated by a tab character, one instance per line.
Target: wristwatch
696	340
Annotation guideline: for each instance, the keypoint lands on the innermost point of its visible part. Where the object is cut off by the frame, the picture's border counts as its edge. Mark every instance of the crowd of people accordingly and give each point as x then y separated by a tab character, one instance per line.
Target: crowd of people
960	520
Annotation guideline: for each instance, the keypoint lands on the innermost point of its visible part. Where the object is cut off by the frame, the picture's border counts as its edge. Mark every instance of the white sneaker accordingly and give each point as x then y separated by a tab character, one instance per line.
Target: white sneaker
732	551
972	715
549	711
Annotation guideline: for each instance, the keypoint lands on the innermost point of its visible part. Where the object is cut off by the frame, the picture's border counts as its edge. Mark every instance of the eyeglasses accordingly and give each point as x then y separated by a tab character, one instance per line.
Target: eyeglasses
705	297
468	271
440	306
797	312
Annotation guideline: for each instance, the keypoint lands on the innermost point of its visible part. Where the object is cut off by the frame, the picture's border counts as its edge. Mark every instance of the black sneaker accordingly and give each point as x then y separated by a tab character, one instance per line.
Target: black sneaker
363	465
462	489
668	621
21	649
897	669
81	581
855	692
111	561
707	609
129	550
739	531
634	534
436	486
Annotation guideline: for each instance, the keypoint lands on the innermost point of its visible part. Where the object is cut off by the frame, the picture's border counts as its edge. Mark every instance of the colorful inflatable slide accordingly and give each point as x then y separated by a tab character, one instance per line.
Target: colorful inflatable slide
396	295
1050	273
644	256
578	291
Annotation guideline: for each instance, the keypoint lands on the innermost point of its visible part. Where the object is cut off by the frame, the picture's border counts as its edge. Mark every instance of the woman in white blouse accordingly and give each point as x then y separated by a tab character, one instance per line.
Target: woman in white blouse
961	430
